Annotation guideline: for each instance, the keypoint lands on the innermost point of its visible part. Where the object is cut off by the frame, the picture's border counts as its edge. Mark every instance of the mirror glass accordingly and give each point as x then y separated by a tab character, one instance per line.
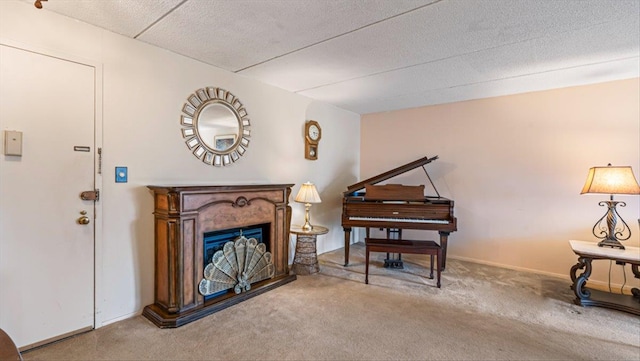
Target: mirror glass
215	126
218	127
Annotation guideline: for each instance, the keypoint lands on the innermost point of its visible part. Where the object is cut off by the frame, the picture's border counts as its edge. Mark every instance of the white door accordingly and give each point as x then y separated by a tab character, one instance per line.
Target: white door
46	255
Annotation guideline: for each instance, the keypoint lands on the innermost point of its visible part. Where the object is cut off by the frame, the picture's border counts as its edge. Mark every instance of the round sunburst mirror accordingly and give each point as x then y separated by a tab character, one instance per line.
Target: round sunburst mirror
215	126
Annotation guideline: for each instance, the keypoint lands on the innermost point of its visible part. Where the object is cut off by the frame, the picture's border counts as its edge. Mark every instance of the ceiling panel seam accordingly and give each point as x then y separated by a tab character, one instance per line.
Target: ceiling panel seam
548	71
160	18
338	36
503	78
368	75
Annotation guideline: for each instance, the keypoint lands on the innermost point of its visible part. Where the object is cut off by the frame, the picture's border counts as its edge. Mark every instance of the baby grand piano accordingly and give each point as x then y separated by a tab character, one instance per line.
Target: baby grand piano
397	207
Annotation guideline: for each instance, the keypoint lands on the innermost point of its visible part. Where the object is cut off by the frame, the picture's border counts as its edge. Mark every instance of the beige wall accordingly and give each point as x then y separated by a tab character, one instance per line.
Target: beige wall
515	166
143	89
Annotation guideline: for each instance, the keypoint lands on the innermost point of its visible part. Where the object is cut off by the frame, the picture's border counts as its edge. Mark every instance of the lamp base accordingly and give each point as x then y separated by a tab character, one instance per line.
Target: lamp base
610	243
606	228
307	226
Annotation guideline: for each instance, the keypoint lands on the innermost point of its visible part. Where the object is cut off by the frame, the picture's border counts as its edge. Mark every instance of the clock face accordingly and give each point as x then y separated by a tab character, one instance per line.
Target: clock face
314	132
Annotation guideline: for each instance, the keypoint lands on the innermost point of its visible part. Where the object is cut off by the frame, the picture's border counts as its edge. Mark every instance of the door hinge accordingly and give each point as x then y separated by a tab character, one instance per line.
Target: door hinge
99	160
90	195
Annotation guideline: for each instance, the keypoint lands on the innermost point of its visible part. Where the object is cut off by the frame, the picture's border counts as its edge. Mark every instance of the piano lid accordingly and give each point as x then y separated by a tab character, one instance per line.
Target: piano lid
390	174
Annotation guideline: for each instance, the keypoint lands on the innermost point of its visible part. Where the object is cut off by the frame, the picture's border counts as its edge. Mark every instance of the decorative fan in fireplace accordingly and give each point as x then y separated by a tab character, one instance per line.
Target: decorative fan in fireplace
239	264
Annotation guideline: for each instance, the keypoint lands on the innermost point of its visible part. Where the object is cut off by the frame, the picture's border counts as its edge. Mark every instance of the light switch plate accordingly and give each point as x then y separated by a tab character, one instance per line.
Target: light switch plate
121	174
12	142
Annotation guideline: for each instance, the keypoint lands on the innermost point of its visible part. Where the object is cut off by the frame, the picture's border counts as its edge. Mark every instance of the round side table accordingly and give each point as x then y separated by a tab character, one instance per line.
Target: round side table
305	261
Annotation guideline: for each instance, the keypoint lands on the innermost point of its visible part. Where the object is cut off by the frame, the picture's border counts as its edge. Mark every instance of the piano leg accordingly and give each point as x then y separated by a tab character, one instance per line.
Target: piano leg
444	237
347	241
431	273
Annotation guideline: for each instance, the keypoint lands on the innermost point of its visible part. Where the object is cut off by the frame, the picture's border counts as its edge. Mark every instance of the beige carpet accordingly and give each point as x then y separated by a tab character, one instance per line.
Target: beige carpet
480	313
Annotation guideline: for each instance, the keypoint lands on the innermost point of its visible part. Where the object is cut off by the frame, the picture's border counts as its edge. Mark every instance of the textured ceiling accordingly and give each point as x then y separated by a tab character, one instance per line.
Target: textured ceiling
378	55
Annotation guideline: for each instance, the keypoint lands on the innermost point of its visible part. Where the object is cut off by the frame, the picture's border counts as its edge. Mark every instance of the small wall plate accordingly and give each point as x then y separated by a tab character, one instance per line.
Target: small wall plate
121	174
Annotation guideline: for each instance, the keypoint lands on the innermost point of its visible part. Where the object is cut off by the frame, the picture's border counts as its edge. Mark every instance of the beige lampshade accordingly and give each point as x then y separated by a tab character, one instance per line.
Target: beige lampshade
308	194
611	180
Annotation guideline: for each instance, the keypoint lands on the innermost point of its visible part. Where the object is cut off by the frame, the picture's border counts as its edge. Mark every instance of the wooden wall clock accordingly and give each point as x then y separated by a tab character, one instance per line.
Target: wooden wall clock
312	135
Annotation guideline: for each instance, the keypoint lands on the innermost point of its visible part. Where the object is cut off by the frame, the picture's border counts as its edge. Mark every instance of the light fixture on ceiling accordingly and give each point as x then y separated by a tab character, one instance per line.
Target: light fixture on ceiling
611	180
38	4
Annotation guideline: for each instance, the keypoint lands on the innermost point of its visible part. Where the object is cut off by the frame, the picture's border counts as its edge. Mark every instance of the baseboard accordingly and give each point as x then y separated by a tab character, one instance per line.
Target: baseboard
514	268
120	318
598	285
51	340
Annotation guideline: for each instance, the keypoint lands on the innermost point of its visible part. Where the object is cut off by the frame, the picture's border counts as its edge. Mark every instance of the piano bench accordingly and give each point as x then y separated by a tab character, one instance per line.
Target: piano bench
403	246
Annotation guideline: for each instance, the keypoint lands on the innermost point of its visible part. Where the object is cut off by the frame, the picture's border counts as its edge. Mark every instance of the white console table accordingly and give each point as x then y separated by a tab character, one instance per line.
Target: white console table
589	251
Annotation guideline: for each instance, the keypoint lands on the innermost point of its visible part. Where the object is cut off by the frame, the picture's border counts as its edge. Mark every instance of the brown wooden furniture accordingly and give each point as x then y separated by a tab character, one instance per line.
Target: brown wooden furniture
8	349
404	246
182	215
396	207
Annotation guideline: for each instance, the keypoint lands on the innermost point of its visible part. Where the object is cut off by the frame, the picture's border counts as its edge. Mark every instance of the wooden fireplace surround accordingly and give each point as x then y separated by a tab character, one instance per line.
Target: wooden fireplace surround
182	215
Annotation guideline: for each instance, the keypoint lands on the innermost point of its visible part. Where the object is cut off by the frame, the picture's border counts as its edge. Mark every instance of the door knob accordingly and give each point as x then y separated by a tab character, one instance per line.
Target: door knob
84	219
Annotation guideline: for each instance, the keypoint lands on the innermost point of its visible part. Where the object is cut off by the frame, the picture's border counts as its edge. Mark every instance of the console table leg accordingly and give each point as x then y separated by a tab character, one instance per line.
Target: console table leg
580	281
635	291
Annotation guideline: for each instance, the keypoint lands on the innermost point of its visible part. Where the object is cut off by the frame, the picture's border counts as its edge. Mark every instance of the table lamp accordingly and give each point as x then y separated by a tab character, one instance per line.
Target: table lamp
611	180
307	195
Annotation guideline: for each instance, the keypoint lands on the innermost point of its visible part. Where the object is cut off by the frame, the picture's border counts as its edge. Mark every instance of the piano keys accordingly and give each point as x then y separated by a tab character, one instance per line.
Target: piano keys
396	206
410	220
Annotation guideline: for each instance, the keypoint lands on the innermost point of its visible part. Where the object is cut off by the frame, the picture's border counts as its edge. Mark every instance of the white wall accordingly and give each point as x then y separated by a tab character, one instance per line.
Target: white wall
143	90
515	166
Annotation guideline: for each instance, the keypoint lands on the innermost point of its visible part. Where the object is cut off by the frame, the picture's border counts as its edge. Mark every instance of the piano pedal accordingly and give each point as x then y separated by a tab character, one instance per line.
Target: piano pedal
393	264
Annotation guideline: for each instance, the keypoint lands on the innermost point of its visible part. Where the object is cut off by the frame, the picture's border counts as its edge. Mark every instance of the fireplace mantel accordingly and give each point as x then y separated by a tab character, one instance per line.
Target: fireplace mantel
182	215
